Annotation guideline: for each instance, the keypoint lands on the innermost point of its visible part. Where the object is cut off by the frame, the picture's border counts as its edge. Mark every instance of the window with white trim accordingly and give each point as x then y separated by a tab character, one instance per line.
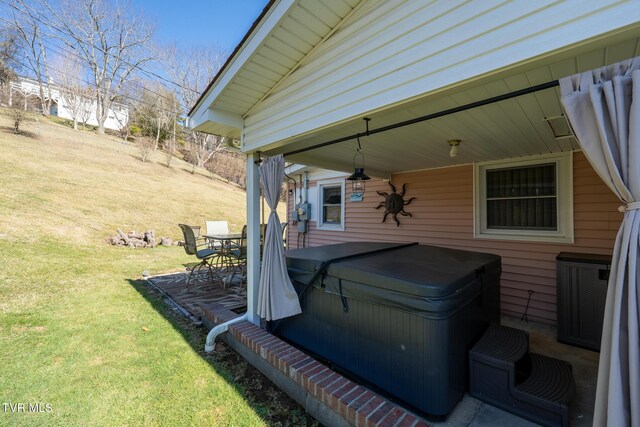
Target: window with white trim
528	199
331	205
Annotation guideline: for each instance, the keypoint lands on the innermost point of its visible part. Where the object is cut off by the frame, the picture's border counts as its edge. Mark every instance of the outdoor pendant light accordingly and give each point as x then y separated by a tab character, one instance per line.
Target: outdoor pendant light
358	177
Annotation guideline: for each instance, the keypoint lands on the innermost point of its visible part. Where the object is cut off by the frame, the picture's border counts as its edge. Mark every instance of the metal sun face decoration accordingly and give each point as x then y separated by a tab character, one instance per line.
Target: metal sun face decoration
394	203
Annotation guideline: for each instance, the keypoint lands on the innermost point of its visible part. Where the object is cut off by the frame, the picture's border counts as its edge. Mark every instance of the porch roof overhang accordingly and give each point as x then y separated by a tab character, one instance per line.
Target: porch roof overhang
526	125
275	46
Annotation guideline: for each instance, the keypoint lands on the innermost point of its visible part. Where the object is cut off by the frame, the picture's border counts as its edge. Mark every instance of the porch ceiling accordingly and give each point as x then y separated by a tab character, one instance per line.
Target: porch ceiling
511	128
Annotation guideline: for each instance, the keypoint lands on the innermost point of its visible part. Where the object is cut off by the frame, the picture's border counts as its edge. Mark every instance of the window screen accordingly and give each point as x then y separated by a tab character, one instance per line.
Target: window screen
523	198
331	205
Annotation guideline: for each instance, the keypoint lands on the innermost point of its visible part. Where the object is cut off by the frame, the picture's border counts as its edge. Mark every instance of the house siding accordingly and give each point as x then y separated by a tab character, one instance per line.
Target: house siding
443	215
389	52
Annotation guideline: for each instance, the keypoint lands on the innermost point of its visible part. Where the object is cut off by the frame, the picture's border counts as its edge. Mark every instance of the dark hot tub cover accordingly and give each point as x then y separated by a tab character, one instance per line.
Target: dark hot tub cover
422	279
400	317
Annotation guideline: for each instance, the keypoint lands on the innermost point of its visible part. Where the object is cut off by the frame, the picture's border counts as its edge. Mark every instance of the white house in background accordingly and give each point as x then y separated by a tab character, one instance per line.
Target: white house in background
24	90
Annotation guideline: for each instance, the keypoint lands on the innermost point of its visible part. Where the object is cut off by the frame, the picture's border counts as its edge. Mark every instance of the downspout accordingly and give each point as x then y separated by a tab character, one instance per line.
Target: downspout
306	187
221	328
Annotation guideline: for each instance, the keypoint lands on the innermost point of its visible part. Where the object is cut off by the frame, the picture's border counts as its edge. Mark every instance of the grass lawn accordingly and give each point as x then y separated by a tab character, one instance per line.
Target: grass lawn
78	330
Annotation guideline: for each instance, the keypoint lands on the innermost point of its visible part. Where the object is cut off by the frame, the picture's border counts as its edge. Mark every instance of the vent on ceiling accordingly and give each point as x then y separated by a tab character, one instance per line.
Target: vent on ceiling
560	127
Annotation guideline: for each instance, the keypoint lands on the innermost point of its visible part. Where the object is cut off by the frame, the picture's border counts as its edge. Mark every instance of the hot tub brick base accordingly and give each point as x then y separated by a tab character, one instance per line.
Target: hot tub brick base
326	395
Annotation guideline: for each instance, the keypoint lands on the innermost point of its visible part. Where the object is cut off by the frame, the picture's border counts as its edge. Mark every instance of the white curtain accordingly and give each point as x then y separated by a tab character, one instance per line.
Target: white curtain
603	107
276	296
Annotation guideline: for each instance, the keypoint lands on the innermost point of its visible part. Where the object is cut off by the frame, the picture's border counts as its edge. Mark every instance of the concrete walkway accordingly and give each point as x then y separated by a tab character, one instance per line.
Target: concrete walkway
475	413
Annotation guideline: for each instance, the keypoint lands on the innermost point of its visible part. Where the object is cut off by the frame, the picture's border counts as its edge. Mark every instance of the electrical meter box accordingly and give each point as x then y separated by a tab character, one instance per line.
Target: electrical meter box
303	212
302	215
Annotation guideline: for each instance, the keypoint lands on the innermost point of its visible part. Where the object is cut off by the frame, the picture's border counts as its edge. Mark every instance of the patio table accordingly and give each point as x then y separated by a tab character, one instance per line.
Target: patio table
225	258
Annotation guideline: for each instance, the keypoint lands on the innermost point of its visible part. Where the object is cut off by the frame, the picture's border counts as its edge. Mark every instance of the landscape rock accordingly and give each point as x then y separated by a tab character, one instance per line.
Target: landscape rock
136	239
150	238
136	235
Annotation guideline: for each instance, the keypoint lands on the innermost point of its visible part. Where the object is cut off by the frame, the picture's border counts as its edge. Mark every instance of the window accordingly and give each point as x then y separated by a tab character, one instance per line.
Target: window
331	205
528	199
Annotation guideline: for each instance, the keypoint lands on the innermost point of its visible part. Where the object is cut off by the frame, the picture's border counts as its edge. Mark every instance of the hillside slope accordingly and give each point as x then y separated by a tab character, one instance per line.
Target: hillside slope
76	184
78	330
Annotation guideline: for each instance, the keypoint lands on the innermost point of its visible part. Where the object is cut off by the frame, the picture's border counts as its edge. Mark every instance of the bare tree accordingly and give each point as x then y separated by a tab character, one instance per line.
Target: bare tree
162	103
123	124
8	51
111	38
193	69
85	109
29	30
172	146
75	96
155	112
205	146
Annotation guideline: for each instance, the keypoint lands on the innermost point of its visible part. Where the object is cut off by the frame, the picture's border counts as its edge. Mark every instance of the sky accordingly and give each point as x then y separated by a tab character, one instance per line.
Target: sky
202	22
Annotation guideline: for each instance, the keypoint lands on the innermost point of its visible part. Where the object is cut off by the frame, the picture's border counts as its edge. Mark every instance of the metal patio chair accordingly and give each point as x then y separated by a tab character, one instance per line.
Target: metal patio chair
239	255
199	248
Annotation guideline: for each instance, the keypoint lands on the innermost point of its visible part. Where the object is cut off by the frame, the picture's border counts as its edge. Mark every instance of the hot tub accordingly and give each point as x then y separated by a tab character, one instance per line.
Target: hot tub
401	318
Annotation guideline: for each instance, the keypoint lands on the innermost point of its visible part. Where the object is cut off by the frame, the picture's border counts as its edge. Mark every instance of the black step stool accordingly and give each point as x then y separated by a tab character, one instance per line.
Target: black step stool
503	373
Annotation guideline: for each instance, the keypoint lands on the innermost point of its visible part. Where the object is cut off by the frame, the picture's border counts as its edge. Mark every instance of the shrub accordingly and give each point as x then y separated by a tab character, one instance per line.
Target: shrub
145	145
134	130
229	166
18	117
189	157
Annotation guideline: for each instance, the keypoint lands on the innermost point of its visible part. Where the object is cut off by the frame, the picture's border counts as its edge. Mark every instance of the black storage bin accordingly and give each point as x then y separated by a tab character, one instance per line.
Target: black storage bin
403	319
581	296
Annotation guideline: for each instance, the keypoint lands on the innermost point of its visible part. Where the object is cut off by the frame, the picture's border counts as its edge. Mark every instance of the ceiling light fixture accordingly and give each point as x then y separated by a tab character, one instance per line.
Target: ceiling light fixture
453	143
